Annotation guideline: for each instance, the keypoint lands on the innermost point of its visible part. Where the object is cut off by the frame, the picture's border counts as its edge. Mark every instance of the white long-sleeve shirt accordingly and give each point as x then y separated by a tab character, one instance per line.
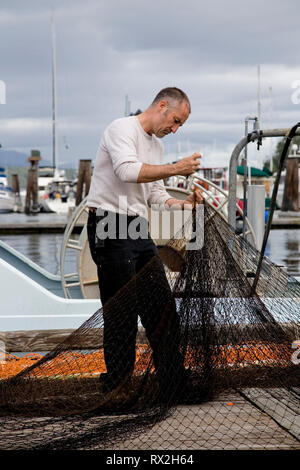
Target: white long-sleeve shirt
124	147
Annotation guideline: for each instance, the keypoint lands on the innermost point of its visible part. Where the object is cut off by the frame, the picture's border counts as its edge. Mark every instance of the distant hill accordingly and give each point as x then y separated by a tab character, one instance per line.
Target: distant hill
16	163
22	173
14	158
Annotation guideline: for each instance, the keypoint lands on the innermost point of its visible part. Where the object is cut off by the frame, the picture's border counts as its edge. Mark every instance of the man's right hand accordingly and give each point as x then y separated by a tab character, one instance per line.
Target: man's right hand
188	165
184	167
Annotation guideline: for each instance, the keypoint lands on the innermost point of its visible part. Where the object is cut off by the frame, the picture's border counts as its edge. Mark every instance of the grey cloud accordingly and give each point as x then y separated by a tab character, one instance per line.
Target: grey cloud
107	49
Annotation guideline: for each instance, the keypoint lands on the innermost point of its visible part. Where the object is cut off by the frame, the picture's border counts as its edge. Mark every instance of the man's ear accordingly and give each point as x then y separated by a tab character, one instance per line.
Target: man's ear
163	105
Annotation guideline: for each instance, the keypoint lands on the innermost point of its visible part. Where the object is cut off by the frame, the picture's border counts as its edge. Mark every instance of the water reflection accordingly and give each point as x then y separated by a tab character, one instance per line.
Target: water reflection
44	249
292	260
283	248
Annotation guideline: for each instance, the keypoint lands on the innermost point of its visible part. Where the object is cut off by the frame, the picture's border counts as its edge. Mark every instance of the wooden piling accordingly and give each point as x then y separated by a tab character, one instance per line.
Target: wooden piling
290	201
16	190
31	201
84	180
15	184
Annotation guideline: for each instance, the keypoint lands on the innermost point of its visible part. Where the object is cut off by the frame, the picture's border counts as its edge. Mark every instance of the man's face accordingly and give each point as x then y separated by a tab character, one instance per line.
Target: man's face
170	118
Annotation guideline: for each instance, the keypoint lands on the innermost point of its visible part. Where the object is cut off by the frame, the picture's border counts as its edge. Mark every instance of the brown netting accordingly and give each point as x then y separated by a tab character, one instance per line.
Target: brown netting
240	388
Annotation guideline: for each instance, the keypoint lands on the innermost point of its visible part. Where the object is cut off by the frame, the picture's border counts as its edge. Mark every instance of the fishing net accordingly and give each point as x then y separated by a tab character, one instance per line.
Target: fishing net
215	360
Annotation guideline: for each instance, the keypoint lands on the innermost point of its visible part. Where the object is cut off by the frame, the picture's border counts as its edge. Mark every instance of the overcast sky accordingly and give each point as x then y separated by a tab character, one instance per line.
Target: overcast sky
107	49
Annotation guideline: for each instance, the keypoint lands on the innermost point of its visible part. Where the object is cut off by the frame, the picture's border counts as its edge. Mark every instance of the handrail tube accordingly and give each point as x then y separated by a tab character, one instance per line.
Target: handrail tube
251	137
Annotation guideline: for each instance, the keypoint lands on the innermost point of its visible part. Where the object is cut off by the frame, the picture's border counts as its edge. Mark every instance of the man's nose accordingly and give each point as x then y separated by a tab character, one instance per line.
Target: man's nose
174	128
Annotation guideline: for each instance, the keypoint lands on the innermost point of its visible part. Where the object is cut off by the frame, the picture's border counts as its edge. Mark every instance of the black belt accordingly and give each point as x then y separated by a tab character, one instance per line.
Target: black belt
129	217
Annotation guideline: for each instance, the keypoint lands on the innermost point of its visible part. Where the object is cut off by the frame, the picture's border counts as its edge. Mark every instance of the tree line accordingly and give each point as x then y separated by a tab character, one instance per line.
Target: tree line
278	151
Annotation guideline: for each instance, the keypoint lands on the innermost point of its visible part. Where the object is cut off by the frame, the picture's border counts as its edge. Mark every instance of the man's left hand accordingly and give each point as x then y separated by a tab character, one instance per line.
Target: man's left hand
196	197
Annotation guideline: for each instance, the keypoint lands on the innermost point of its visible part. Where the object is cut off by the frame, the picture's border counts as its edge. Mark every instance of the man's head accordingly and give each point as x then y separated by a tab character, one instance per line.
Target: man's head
168	111
174	96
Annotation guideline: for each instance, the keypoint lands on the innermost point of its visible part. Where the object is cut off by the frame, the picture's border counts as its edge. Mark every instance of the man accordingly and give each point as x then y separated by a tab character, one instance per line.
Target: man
127	179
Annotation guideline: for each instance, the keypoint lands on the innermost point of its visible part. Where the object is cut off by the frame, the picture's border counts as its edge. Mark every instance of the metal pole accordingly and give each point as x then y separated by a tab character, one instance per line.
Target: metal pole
245	180
259	119
271	122
232	181
258	97
256	212
233	165
247	119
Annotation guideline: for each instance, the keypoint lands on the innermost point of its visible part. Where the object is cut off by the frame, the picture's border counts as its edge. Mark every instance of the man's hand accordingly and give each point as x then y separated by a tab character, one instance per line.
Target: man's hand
188	165
196	197
184	167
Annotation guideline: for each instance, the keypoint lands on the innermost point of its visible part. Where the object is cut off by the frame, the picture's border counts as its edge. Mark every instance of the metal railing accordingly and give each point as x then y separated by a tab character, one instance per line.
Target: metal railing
251	137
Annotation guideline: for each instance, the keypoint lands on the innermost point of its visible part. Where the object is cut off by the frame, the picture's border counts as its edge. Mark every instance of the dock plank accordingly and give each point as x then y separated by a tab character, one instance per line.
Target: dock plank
46	340
284	410
214	426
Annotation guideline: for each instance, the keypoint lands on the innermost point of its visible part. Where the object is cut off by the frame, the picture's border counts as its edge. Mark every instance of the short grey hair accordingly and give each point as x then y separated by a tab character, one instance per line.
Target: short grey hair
174	96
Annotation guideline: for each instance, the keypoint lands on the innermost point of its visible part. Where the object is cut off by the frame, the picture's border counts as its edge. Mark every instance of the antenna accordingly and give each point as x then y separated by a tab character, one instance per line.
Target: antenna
127	106
258	98
259	123
271	126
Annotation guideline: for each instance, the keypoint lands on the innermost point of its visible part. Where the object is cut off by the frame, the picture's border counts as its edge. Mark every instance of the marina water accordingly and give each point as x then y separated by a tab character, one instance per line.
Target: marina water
283	246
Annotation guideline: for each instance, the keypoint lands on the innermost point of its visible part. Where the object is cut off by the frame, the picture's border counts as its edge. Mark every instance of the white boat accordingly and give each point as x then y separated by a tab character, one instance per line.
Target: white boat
40	303
36	307
56	192
7	198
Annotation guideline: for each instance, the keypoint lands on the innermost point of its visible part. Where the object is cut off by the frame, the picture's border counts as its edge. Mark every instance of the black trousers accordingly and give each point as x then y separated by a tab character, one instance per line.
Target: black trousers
148	296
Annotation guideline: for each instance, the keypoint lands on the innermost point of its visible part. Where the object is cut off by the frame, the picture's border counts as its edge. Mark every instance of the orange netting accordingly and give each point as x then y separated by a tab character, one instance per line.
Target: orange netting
93	363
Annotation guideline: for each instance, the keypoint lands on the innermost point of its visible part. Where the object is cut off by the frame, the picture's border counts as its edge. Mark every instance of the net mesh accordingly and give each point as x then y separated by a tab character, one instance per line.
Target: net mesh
215	364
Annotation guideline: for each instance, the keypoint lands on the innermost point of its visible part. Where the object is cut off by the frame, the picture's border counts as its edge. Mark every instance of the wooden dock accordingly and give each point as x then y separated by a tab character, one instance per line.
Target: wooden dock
214	425
227	423
48	222
29	341
249	419
33	227
286	219
57	224
286	222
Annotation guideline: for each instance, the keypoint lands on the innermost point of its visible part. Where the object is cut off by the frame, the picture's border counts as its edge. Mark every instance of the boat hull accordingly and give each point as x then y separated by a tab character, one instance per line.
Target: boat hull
6	204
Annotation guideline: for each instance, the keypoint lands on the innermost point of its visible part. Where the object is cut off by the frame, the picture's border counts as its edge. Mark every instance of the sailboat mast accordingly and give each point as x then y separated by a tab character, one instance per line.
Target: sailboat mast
54	105
259	111
258	97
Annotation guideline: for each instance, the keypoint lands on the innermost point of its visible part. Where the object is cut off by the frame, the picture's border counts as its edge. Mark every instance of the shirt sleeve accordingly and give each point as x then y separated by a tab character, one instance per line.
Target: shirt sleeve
158	194
121	146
